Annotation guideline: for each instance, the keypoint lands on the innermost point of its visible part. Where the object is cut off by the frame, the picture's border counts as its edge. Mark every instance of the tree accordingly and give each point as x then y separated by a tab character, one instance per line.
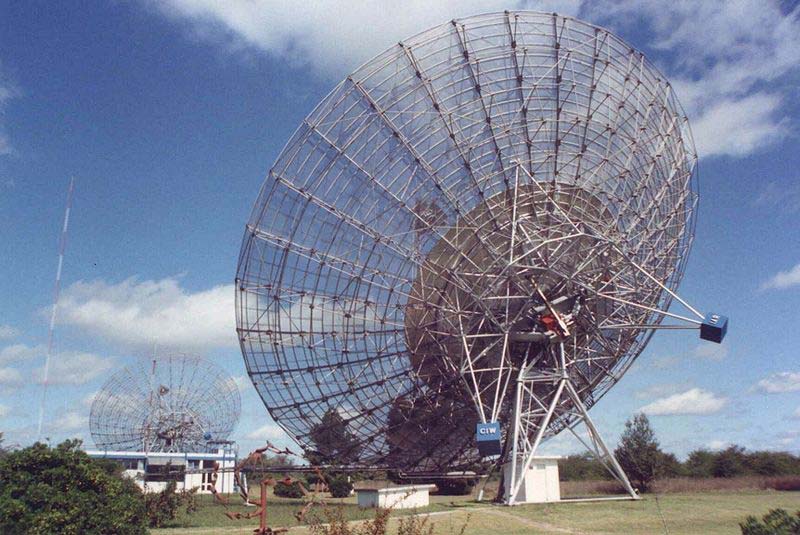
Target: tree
729	462
335	443
47	490
700	463
638	452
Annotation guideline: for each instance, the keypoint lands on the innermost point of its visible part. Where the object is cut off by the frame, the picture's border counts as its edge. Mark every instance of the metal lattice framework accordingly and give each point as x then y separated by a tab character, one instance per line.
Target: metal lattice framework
460	213
177	403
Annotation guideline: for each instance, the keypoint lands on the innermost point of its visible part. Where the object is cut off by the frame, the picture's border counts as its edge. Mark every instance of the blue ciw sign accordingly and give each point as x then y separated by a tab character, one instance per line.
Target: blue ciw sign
489	439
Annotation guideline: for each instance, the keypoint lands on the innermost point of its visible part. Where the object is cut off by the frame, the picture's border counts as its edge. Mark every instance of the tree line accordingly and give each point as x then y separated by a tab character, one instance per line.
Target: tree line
642	458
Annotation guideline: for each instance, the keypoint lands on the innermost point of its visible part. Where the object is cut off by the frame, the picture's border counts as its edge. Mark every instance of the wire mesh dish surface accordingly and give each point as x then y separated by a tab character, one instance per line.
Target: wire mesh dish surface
410	238
177	403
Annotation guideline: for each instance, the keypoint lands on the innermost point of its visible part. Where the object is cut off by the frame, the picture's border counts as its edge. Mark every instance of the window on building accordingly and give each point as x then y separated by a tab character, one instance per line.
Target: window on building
158	470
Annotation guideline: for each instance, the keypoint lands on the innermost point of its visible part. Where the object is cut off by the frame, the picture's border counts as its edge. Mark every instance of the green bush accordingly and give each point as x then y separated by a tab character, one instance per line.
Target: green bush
47	490
339	487
163	507
776	522
289	490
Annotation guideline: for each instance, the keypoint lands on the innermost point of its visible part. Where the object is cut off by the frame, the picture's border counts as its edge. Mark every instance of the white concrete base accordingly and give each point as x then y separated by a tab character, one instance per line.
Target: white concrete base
408	497
540	484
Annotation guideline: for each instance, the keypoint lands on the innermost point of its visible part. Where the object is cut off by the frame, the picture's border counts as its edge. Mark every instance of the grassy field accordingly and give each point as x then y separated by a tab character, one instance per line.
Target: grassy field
691	513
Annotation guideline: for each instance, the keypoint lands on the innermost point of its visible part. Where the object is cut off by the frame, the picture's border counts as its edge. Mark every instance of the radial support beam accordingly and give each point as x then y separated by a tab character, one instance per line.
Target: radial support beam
566	399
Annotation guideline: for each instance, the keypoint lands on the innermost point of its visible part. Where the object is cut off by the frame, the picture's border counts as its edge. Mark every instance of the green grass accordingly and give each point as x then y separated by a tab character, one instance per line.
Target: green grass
696	513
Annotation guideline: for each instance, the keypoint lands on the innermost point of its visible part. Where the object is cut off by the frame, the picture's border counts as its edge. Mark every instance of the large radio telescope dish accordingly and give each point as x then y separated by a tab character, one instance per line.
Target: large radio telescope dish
455	215
178	403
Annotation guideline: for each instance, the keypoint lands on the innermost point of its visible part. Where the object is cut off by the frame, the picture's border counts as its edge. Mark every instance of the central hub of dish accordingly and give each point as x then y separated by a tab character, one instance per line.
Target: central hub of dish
504	280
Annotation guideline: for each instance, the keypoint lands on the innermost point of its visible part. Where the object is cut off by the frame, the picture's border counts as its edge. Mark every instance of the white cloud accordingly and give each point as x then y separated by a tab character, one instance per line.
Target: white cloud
334	37
7	92
70	421
654	391
720	56
88	399
7	332
142	313
714	352
783	279
4	411
738	127
693	401
780	382
74	368
243	382
10	376
266	432
796	414
20	352
717	445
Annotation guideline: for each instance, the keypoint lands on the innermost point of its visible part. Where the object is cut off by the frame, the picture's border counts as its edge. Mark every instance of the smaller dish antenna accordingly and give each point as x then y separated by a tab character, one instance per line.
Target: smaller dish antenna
177	403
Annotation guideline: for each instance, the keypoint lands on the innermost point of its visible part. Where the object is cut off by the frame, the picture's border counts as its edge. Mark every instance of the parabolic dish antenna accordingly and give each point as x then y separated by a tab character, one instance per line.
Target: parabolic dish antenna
483	225
177	403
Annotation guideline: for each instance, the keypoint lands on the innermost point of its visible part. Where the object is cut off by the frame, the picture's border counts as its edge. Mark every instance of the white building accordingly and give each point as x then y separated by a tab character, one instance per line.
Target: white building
541	484
152	471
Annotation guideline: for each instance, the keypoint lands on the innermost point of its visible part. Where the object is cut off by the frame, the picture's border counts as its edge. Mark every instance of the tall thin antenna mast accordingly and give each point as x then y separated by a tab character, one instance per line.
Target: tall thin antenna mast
57	290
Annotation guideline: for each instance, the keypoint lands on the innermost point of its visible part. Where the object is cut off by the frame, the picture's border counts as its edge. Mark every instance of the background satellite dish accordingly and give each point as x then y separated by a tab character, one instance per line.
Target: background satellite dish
176	403
483	224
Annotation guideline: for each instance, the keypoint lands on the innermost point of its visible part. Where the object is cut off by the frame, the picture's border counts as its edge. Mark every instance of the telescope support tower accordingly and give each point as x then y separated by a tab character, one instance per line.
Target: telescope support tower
531	415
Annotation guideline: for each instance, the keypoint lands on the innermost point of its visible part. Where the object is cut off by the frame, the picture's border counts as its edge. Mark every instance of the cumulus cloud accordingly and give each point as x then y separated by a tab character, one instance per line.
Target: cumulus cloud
10	376
7	332
243	382
783	279
266	432
66	367
20	353
714	352
658	390
693	401
779	383
738	127
719	56
333	37
88	399
7	91
70	421
74	368
142	313
717	445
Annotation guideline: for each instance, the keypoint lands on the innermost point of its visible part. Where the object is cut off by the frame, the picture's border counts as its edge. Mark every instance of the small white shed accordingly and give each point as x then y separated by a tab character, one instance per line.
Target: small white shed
407	497
540	483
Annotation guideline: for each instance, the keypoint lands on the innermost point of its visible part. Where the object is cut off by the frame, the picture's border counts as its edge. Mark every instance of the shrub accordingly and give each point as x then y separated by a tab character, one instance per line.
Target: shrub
62	490
784	483
339	486
163	507
776	522
293	489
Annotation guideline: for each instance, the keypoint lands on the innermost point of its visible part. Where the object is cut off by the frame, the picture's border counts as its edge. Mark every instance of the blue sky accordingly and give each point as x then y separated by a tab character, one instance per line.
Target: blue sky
169	115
